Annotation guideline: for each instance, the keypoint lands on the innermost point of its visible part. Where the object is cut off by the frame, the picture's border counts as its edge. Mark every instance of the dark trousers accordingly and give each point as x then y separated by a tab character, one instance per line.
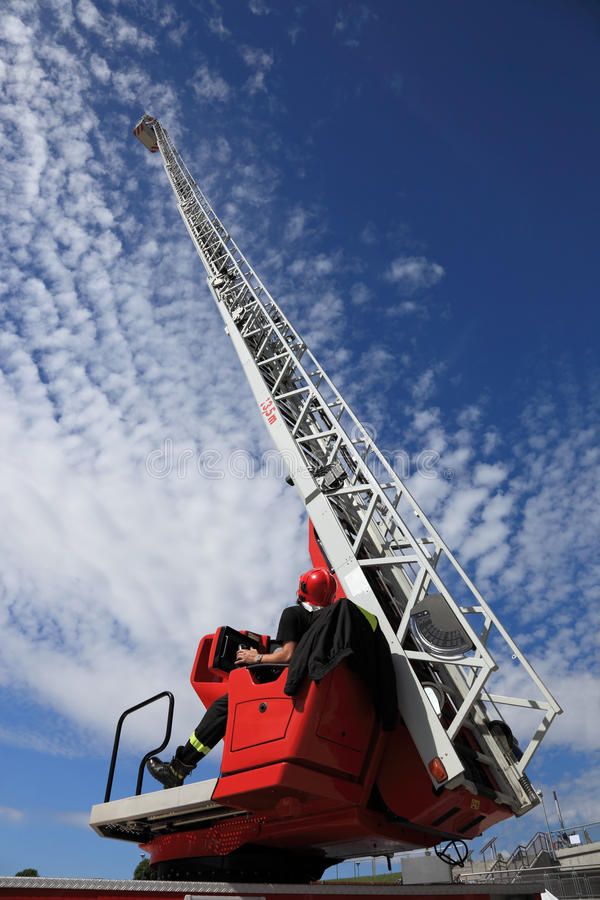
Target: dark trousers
207	733
211	728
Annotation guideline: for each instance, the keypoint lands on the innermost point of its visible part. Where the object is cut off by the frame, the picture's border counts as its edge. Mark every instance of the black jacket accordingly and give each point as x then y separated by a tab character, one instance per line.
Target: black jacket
343	631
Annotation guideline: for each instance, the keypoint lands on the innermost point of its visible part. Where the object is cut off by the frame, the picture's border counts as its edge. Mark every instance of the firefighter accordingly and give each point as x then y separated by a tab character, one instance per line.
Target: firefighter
316	589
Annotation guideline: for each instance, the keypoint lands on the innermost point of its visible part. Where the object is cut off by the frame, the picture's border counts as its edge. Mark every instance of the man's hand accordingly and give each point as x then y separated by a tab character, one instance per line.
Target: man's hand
247	657
281	655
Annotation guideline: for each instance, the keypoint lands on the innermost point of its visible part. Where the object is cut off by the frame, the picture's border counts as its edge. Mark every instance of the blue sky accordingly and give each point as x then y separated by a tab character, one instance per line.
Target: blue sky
417	184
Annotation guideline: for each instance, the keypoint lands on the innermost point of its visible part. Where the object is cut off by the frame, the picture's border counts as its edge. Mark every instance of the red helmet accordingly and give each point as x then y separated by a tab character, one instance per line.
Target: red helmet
317	586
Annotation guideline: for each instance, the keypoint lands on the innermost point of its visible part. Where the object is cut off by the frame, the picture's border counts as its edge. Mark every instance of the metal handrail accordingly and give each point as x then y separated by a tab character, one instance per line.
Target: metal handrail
115	751
540	841
565	882
580	827
490	875
559	835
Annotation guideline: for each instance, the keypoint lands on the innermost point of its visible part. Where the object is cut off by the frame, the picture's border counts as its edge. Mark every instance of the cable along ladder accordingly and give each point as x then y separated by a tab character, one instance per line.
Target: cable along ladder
382	547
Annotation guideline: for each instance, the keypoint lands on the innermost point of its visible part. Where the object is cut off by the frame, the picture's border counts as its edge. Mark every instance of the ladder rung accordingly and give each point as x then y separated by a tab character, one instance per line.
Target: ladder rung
265	362
391	561
353	489
315	437
405	545
291	393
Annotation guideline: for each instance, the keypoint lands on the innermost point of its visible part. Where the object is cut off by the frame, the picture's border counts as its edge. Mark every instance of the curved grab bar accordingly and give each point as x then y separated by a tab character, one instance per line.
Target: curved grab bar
167	738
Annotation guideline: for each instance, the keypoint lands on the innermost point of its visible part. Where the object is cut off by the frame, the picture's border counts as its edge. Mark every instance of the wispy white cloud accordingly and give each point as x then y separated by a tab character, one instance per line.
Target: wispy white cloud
296	224
525	525
100	68
210	86
360	294
294	32
413	273
217	26
89	387
9	814
222	149
350	21
177	34
88	15
579	795
76	819
259	7
369	234
112	28
176	26
423	386
260	62
405	308
318	264
14	30
100	360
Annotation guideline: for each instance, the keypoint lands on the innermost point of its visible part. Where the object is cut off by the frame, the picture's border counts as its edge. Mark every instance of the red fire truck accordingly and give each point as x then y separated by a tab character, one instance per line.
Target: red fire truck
313	779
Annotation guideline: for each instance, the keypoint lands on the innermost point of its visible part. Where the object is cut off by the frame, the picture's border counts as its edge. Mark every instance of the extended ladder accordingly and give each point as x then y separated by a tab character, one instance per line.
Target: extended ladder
384	550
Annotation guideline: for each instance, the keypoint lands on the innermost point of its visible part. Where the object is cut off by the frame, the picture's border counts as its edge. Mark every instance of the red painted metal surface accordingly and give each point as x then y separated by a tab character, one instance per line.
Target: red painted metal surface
406	789
209	683
328	727
318	558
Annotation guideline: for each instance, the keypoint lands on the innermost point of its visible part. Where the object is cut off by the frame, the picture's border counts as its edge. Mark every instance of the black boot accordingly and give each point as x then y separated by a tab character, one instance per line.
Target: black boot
169	774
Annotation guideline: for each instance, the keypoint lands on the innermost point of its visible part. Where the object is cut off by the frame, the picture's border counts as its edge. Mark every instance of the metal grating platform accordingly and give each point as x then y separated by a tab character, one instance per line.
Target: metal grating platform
100	887
159	812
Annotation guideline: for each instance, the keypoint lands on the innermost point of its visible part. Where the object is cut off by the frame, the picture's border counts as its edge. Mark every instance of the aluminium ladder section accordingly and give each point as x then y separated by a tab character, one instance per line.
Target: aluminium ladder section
361	511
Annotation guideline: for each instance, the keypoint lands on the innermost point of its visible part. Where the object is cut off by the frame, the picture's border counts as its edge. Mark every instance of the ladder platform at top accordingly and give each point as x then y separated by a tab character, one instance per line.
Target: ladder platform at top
158	812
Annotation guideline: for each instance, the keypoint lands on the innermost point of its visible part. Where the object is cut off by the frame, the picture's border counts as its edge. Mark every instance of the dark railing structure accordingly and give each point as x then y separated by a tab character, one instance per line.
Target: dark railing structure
115	751
564	882
549	842
542	861
588	833
525	855
573	882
